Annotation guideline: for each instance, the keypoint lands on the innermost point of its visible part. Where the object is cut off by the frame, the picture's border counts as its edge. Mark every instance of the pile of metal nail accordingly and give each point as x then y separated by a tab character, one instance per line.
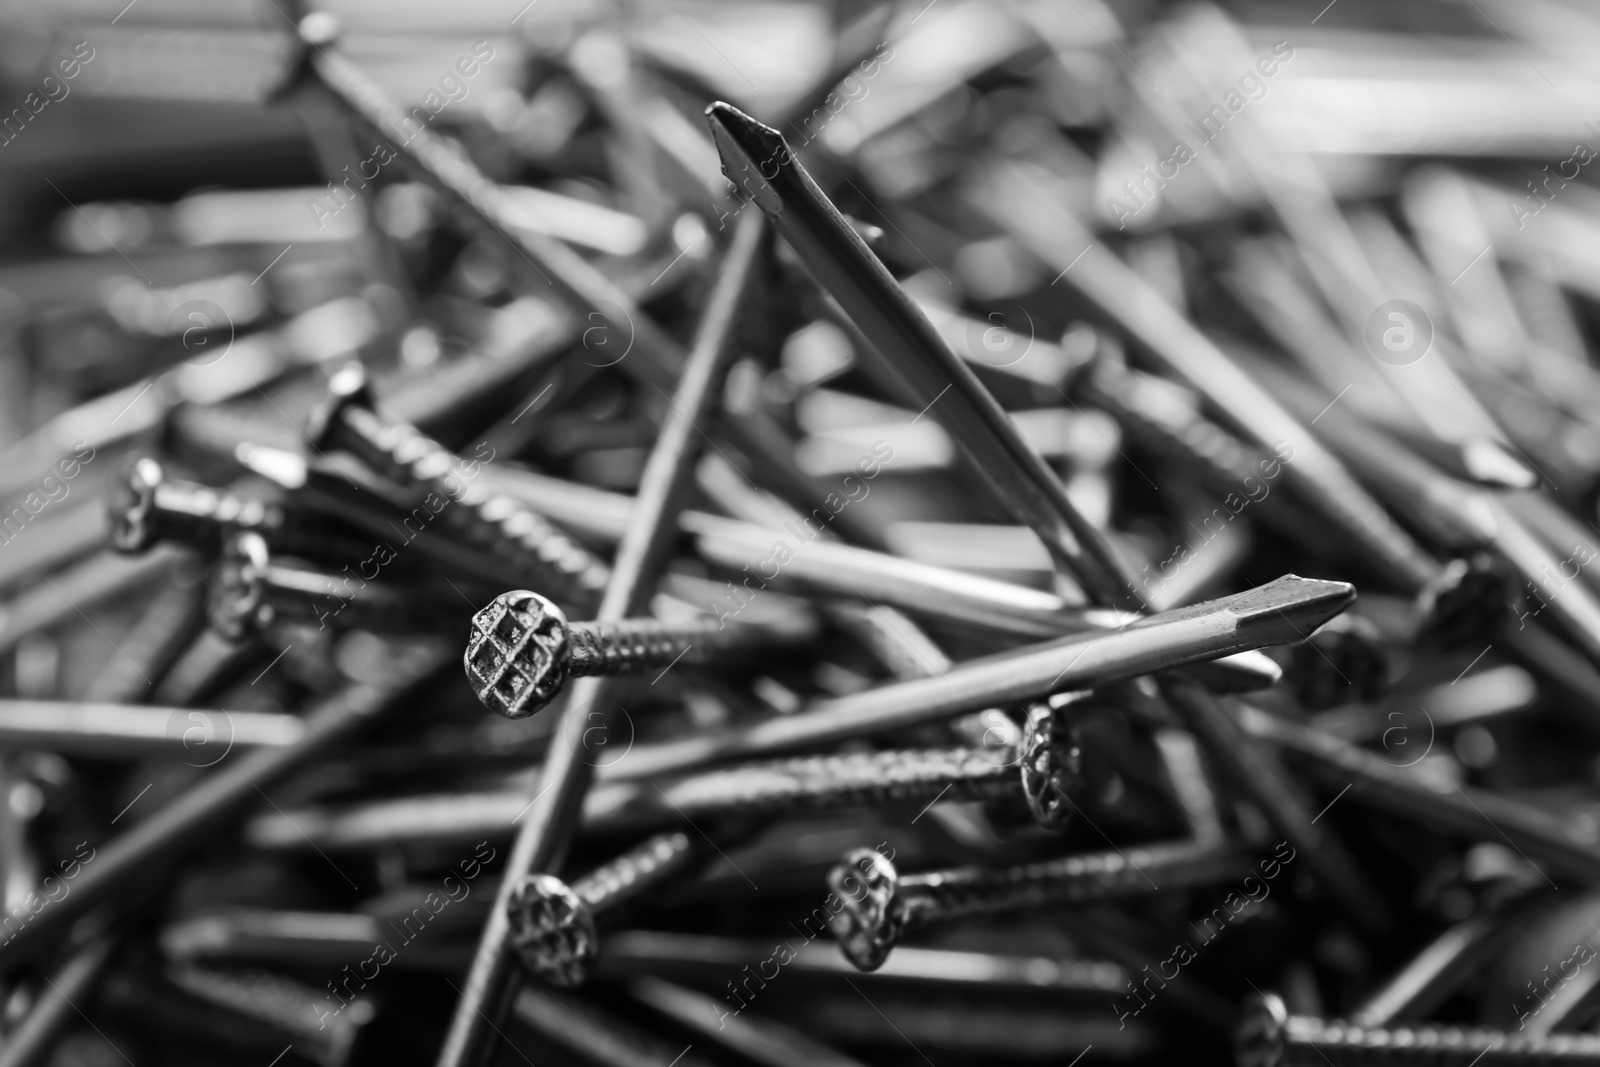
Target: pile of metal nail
1036	533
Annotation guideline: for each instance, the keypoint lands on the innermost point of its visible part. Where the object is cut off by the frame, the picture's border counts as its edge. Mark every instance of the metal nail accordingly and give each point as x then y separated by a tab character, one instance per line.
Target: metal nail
933	377
148	505
1269	1036
880	905
600	1036
824	566
1015	199
143	658
522	650
395	517
57	1004
1154	643
519	540
1434	974
1256	771
178	826
699	957
553	924
760	1040
908	777
250	589
551	820
1468	813
99	578
125	730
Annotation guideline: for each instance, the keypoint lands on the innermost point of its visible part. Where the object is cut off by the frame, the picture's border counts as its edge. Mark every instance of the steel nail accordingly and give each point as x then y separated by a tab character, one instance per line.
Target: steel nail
1443	966
880	905
1191	785
178	826
824	566
250	589
1269	1036
600	1036
47	543
518	539
1016	201
1467	813
757	1039
170	621
776	787
575	281
92	582
126	730
202	667
553	924
1256	772
933	377
546	833
299	938
379	509
698	957
284	1006
148	505
1084	661
57	1004
521	650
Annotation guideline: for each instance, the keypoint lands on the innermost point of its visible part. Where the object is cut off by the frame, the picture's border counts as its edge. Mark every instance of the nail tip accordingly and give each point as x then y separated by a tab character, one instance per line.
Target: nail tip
746	148
1312	601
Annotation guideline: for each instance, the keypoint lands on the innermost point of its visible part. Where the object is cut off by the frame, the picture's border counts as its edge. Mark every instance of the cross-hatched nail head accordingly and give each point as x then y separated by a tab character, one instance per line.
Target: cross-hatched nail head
518	653
873	915
553	930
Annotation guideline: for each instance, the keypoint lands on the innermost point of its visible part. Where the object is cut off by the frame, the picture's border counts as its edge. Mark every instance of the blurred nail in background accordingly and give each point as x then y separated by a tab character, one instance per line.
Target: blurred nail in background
934	532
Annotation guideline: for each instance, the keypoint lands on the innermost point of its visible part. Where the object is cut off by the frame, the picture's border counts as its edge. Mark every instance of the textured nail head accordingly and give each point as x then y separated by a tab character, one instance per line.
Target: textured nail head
873	915
1459	605
1259	1040
1052	766
1344	661
236	600
518	653
319	29
133	505
347	387
552	930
